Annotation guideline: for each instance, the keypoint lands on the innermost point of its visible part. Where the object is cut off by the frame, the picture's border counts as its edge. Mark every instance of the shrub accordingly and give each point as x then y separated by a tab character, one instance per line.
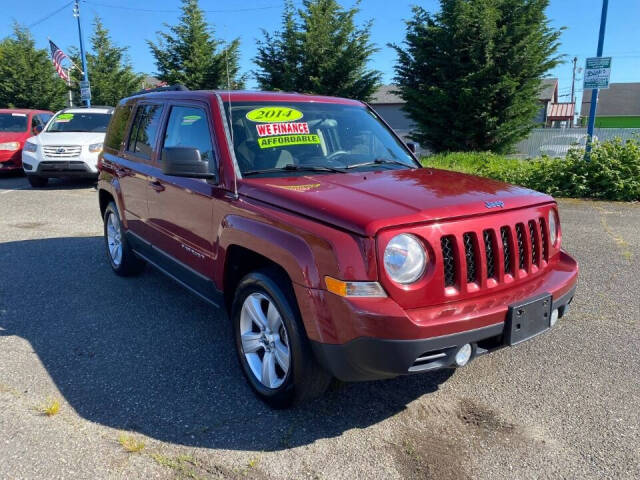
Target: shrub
613	173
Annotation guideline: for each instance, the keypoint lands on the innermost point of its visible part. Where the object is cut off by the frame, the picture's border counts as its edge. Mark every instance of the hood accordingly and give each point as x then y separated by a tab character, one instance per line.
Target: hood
14	136
69	138
366	202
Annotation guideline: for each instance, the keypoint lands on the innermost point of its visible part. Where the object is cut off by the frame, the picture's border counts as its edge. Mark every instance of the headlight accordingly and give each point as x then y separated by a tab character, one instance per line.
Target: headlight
11	146
95	147
405	259
30	147
553	227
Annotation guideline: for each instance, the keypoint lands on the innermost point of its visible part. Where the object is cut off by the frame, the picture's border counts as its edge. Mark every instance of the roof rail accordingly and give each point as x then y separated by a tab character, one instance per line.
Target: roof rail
169	88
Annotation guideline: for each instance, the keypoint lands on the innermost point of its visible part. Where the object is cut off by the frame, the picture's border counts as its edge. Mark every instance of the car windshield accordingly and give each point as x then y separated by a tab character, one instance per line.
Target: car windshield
13	122
79	122
278	139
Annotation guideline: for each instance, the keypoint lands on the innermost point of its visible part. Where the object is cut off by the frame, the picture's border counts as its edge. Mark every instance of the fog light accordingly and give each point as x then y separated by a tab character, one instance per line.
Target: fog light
27	166
463	355
554	317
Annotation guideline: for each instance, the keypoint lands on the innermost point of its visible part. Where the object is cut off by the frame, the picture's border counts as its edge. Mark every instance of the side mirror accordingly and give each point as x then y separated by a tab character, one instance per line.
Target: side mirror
37	129
184	162
412	147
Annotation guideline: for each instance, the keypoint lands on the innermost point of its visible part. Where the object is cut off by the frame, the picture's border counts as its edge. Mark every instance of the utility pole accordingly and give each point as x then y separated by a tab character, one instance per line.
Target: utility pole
594	92
573	87
85	84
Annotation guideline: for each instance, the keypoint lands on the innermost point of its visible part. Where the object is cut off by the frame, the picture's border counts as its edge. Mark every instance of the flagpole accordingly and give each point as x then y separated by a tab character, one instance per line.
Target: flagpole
69	85
76	13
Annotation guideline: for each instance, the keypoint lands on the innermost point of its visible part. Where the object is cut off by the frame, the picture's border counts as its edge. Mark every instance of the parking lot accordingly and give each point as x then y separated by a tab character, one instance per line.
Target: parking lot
142	362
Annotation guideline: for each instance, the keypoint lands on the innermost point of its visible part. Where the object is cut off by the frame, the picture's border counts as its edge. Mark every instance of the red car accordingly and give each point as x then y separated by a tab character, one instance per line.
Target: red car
335	253
16	125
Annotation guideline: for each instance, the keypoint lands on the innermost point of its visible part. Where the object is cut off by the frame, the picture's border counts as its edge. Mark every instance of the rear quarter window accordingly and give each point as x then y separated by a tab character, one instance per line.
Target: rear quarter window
117	127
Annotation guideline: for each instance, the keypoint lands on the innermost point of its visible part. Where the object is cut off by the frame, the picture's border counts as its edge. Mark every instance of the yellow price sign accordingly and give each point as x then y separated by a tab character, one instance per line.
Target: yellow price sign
274	114
285	140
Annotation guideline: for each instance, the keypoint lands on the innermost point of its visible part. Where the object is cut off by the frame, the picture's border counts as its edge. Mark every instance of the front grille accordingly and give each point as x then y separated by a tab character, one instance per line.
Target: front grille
488	252
506	249
534	246
448	260
543	237
62	151
520	237
507	243
62	166
470	257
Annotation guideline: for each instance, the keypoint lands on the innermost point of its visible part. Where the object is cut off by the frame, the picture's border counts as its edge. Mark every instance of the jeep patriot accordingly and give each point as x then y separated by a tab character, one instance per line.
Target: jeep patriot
335	253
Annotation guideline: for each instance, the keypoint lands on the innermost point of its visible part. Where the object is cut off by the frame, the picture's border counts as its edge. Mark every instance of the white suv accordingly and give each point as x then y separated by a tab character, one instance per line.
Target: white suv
68	146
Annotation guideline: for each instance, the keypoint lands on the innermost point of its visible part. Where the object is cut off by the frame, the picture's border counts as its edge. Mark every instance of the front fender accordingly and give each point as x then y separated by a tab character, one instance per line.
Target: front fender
285	248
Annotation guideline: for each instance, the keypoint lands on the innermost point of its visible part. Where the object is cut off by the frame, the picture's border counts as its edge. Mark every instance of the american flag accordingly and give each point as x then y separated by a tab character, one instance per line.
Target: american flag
58	56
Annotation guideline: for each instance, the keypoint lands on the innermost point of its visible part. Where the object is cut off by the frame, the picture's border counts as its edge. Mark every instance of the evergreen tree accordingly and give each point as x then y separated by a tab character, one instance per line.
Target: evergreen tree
27	76
470	74
321	52
110	71
190	55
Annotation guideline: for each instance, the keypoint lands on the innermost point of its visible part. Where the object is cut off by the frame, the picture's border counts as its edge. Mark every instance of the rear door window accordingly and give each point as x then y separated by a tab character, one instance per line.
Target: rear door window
188	127
145	130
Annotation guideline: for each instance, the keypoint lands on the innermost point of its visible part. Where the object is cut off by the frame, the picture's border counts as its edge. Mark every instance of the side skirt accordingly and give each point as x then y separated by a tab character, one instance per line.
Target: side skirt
194	281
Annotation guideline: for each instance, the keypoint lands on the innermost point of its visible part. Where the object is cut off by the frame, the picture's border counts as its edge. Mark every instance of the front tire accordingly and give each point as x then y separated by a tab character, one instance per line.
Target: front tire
272	346
36	181
121	258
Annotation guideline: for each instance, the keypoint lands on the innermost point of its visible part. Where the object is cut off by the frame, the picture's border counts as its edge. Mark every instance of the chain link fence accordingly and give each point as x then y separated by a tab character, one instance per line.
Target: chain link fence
555	142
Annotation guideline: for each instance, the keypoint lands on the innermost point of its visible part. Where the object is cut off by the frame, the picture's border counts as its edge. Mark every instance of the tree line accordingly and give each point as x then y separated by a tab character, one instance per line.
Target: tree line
469	74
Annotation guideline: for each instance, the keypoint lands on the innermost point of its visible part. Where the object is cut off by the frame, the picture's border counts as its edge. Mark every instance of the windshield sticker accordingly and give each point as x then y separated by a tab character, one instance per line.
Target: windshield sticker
285	140
18	114
190	119
297	188
274	114
270	129
64	118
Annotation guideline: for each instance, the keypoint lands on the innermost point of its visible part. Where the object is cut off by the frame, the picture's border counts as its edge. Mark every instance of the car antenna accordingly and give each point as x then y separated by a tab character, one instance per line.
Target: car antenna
235	173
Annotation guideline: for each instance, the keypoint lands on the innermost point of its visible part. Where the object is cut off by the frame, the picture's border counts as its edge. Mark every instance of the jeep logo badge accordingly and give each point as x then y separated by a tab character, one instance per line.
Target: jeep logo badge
496	204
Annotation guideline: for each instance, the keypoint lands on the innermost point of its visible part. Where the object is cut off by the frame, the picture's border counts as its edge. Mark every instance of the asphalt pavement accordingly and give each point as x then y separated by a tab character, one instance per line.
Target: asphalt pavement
141	364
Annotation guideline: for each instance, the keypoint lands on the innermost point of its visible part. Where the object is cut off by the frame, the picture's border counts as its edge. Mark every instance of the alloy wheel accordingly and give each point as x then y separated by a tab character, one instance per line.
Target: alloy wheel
264	339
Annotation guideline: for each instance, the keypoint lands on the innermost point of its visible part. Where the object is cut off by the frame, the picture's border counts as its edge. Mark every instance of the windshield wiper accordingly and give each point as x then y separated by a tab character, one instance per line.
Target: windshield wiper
294	168
380	161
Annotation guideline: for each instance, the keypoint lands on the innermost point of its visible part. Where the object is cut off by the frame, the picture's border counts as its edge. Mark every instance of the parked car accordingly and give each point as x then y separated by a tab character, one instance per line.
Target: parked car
16	125
335	253
68	146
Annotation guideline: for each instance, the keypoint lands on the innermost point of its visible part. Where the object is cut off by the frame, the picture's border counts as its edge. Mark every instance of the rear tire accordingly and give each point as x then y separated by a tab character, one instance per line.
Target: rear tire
273	349
121	258
36	181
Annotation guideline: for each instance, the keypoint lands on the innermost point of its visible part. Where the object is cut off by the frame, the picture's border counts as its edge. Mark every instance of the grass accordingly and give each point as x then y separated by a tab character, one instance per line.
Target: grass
130	443
183	465
50	408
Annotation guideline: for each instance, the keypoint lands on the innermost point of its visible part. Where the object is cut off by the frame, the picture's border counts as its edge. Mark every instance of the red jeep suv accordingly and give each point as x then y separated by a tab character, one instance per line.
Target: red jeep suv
335	253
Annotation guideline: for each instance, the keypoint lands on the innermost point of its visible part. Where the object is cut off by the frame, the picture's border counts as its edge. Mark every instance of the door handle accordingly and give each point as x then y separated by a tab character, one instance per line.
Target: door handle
157	186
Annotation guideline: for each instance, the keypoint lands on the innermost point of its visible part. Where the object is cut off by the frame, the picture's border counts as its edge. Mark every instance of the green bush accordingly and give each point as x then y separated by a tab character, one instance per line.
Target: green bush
613	173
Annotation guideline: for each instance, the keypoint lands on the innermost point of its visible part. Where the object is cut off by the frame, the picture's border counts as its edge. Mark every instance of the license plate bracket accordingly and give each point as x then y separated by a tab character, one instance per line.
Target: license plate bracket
527	319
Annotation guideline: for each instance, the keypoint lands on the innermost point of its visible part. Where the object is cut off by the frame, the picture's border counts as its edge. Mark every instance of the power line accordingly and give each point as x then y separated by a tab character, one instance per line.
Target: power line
47	17
154	10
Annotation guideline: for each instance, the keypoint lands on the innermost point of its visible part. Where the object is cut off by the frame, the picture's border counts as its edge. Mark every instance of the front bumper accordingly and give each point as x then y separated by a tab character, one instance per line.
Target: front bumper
368	358
10	160
373	338
85	165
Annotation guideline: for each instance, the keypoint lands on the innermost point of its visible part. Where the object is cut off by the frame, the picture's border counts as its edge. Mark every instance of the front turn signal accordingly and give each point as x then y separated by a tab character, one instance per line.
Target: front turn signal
354	289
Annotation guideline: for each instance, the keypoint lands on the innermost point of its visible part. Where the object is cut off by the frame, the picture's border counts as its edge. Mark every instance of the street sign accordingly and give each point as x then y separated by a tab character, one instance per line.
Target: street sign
597	71
85	90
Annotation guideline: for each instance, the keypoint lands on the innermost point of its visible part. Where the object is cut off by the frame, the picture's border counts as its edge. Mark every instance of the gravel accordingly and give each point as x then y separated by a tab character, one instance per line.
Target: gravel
143	358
